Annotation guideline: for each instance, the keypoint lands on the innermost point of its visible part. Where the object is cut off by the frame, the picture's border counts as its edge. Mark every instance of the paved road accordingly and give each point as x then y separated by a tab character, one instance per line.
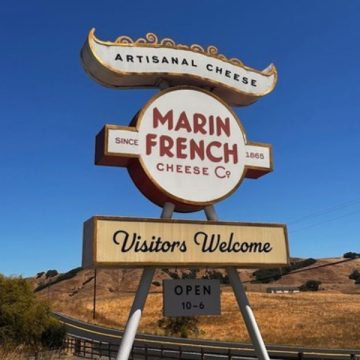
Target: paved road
219	349
89	331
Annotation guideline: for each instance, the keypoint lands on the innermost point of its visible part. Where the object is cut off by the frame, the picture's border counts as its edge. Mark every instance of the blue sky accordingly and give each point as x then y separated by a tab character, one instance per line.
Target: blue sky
50	112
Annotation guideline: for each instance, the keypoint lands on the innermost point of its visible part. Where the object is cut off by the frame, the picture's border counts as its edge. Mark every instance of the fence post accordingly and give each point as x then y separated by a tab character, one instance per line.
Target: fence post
77	347
229	355
146	351
100	349
92	349
202	354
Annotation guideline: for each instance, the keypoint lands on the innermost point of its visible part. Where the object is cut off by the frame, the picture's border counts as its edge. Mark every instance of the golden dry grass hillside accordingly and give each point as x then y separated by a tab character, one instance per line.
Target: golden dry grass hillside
328	318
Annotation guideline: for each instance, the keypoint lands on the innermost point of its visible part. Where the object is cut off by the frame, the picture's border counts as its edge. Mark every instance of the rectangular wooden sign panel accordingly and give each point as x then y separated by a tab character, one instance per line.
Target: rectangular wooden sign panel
117	241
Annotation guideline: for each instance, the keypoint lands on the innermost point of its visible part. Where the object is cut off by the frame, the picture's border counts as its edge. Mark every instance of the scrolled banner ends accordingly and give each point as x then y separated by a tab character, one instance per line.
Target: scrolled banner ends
148	62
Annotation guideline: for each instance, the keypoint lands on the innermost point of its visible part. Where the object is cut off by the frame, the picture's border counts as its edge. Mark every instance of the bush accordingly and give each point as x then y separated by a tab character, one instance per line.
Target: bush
268	275
179	326
40	274
217	275
173	275
51	273
190	275
355	275
301	264
65	276
53	336
23	318
310	285
351	255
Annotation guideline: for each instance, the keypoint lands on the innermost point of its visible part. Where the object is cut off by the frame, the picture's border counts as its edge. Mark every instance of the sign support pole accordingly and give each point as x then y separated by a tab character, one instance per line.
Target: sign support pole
243	301
139	300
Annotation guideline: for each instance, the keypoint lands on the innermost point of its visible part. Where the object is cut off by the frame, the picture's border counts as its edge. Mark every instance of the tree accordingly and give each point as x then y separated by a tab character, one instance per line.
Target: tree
23	318
51	273
351	255
267	275
310	285
355	275
179	326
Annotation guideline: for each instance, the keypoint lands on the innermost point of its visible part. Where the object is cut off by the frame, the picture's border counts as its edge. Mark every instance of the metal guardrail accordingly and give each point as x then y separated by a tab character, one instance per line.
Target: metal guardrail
91	349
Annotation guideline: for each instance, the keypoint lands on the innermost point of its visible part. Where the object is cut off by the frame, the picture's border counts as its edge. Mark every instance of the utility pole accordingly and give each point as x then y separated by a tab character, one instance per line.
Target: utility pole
94	295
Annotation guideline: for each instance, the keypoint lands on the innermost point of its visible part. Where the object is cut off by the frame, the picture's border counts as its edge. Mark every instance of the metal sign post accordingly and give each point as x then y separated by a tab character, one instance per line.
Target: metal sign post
135	313
139	300
247	314
144	287
243	301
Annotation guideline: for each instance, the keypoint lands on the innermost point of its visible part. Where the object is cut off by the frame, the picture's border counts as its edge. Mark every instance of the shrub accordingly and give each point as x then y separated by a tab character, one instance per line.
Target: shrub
351	255
355	275
301	264
23	318
68	275
217	275
53	336
268	275
191	274
65	276
173	275
310	285
179	326
51	273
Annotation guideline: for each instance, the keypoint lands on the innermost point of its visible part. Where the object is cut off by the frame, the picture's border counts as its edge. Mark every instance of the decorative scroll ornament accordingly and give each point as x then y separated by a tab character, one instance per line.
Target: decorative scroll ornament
150	62
152	39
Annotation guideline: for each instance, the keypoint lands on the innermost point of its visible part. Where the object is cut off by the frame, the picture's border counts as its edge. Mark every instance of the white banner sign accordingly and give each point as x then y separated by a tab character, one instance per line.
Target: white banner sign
148	62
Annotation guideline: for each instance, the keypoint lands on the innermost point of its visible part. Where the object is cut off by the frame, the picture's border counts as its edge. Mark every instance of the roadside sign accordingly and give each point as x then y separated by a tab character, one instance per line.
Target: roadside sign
119	241
185	150
191	297
147	62
192	153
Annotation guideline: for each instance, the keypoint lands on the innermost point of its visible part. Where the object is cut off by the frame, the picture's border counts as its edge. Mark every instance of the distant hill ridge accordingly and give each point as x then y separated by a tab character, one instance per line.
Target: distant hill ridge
333	273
